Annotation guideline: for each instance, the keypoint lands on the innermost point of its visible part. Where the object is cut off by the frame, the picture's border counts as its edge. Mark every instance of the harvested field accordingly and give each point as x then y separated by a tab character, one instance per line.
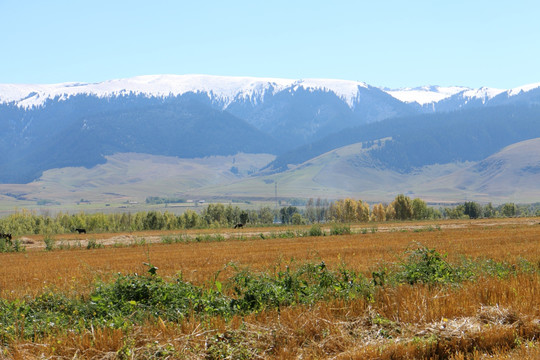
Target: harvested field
28	273
491	316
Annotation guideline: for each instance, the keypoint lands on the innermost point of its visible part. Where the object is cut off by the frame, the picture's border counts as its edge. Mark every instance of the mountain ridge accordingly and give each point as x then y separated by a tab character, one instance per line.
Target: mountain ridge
221	89
197	116
226	89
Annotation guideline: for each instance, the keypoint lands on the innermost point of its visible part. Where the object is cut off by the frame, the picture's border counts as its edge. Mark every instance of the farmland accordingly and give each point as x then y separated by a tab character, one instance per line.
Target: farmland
428	289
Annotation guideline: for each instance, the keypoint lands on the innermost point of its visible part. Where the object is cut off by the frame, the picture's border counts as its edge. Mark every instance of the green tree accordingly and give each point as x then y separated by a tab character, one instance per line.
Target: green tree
244	217
297	219
488	211
457	212
403	207
287	213
311	211
266	215
472	209
508	210
420	209
190	219
154	221
321	208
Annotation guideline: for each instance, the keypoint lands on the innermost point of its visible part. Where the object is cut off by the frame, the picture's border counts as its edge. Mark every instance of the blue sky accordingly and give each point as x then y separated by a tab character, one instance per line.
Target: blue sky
384	43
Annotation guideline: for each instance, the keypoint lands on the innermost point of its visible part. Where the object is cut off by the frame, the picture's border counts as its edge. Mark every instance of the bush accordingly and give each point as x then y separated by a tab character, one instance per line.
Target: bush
316	230
11	246
427	266
49	242
93	244
297	219
306	285
340	229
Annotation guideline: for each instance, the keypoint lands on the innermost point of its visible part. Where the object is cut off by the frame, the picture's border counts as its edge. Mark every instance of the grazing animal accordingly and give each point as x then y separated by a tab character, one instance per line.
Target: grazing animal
81	231
8	237
239	226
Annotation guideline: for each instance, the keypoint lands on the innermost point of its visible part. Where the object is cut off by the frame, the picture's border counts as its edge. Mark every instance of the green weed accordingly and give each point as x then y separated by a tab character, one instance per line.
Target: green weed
93	244
11	246
50	242
340	229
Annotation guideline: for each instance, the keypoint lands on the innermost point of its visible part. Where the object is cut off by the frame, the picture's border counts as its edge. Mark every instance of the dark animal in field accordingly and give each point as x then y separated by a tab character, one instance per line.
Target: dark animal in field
81	231
8	237
239	226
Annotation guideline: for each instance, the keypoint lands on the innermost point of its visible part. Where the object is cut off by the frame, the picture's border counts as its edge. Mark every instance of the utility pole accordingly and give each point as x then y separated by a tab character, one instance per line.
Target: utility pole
275	193
276	214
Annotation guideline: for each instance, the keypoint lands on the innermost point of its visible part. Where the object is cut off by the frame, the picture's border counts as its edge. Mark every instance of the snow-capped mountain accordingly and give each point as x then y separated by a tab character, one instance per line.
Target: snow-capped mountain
78	124
425	94
437	98
221	90
175	115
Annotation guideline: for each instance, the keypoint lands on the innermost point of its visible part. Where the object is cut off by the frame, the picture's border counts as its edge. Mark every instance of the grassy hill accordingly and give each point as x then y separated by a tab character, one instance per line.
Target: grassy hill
345	172
350	171
130	177
512	174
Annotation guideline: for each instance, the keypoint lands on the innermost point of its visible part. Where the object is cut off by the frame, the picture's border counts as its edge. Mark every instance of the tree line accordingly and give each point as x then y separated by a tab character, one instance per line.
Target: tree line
219	215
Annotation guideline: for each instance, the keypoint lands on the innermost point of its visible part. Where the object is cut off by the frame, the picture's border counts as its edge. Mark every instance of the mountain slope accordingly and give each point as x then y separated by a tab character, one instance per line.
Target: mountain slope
467	135
307	108
186	128
348	171
511	173
49	126
300	115
129	177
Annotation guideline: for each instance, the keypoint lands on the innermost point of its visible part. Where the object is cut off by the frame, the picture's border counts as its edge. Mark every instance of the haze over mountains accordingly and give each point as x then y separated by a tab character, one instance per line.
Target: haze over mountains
395	132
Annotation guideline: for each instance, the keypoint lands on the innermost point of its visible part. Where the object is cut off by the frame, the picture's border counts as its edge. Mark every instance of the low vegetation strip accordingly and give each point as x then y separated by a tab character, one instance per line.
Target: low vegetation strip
214	216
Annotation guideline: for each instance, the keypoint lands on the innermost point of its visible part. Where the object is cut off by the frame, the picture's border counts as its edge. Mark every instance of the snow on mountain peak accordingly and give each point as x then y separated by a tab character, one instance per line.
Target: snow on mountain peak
223	89
344	89
433	94
425	94
484	93
524	88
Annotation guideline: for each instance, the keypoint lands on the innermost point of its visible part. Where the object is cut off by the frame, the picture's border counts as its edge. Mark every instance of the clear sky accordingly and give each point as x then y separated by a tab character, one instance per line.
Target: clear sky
384	43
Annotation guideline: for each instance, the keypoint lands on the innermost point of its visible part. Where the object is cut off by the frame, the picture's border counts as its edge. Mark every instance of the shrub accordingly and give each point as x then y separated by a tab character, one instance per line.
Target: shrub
93	244
305	285
11	246
340	229
49	242
316	230
427	266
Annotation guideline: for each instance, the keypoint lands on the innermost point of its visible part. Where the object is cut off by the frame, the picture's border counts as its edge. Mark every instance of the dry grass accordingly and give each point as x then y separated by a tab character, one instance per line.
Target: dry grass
489	318
29	273
450	325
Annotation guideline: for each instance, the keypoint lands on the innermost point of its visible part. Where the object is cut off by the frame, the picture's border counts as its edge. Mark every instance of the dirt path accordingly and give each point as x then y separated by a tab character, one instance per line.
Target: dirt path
36	242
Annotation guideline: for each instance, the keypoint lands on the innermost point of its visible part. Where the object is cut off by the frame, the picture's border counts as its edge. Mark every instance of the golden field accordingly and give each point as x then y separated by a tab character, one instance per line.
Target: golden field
488	318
